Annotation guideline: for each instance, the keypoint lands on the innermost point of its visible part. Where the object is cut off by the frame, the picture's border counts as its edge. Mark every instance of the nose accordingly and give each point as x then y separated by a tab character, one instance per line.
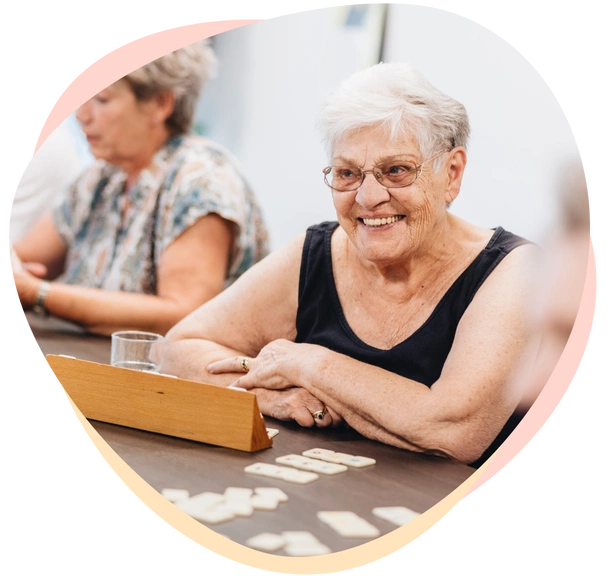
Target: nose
84	113
371	193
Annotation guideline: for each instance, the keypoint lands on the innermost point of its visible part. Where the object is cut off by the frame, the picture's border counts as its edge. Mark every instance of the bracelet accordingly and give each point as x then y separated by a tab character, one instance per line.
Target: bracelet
40	302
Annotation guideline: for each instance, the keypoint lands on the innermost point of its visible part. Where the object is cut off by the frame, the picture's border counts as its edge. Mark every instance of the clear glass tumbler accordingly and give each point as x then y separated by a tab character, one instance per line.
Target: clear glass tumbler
137	350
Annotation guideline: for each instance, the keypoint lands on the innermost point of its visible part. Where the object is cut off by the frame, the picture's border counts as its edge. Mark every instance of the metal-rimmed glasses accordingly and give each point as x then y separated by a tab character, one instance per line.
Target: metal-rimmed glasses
390	174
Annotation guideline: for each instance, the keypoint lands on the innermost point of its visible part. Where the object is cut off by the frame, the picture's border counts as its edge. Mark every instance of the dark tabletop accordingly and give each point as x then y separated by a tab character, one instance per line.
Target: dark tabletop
399	478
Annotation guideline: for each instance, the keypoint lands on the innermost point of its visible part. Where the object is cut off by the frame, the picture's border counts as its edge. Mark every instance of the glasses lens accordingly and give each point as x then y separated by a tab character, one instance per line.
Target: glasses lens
397	174
344	178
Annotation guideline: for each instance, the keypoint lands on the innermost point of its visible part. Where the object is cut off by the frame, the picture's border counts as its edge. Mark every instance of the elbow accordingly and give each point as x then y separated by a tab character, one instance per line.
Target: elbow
463	441
175	327
175	331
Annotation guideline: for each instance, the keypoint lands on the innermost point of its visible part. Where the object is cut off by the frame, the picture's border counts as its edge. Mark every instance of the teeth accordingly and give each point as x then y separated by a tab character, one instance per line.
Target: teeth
380	221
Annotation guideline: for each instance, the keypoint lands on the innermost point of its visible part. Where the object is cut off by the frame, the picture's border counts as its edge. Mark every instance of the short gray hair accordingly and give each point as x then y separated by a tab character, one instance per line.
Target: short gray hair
182	72
398	98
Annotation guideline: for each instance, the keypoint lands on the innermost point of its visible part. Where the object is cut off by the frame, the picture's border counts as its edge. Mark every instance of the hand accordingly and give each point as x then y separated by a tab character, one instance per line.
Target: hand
270	369
27	287
294	404
35	268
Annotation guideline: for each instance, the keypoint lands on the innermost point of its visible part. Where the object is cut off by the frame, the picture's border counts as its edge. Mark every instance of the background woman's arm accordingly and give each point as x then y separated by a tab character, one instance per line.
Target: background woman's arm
257	308
43	245
192	270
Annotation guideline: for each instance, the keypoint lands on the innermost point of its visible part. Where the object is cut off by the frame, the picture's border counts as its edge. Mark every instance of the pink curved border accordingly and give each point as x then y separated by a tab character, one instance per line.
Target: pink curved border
131	56
124	60
557	384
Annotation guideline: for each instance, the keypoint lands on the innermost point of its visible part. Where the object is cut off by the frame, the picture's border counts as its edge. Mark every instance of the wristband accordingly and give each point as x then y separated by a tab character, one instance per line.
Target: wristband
40	303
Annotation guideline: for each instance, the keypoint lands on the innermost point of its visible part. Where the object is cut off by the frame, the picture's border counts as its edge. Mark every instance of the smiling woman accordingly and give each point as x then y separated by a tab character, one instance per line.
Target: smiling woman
400	319
161	222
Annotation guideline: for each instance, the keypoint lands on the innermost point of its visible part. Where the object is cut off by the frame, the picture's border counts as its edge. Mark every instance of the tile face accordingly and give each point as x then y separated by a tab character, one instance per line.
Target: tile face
311	464
348	524
339	458
282	472
270	492
266	542
263	503
398	515
175	494
233	493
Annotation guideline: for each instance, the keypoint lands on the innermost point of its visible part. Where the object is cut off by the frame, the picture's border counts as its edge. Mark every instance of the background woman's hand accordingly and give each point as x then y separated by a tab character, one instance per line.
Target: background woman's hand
27	285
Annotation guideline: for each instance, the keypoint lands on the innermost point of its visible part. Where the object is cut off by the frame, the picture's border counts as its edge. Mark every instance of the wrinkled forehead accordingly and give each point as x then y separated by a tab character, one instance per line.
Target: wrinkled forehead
371	145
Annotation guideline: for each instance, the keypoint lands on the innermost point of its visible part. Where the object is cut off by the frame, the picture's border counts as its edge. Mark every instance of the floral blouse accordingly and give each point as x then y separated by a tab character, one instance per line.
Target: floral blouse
189	177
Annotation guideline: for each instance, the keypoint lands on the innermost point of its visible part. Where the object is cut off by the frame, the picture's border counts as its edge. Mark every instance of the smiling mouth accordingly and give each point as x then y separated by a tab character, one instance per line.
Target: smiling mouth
376	222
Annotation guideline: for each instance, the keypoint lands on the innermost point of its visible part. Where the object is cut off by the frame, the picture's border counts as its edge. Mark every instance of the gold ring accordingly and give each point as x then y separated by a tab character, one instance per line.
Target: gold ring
245	364
320	414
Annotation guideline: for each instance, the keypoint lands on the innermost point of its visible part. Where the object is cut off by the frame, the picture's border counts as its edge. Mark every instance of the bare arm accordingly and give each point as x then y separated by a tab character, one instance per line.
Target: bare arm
257	308
43	245
192	271
460	414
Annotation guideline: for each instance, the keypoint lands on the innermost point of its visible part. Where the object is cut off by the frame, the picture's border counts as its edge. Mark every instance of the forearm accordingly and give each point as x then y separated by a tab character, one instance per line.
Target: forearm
104	311
390	408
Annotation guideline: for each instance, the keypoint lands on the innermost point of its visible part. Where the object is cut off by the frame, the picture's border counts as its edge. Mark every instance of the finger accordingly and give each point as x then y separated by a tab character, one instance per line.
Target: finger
323	422
233	364
245	383
35	268
304	418
335	417
321	417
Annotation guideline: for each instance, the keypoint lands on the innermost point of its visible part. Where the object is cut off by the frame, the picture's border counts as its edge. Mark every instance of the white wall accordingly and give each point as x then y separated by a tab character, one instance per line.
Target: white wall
275	75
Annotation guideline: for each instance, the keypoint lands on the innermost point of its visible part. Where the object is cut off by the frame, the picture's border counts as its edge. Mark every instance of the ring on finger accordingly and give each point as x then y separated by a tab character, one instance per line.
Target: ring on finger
320	414
245	367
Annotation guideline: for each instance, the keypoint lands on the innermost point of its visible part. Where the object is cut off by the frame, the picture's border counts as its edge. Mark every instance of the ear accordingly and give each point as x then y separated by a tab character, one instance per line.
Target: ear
455	171
164	102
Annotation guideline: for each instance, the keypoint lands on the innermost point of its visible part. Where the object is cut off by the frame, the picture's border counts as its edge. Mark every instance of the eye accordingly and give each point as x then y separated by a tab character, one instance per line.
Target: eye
102	97
346	172
396	170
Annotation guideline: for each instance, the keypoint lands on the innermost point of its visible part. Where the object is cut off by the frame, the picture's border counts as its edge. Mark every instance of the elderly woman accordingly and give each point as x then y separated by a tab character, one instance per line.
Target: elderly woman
161	222
400	319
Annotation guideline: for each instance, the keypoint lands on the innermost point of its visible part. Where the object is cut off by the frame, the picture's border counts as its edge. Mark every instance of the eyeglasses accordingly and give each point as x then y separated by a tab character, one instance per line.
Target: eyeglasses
390	174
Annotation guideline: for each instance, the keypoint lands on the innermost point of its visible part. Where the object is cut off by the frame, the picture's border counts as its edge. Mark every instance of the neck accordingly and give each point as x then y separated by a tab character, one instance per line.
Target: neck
135	165
426	260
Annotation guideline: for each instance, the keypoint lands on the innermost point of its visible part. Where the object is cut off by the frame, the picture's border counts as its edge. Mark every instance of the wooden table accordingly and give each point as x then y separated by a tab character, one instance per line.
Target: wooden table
399	478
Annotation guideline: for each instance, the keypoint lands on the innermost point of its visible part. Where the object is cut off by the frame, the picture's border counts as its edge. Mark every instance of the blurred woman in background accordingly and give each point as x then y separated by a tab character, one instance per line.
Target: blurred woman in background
160	223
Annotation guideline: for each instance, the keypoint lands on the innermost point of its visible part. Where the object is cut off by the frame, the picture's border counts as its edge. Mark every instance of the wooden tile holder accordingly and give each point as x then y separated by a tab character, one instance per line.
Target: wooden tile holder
163	404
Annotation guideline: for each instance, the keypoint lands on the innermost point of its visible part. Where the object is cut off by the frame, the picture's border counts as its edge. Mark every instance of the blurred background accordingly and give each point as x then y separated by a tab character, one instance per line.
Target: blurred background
275	75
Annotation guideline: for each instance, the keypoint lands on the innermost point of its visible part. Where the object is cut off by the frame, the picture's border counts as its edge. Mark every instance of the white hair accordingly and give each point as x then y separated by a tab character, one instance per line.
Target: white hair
397	98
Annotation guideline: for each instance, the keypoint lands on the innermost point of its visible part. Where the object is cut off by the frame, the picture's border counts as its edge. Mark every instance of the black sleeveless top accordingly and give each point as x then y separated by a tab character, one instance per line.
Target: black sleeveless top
421	356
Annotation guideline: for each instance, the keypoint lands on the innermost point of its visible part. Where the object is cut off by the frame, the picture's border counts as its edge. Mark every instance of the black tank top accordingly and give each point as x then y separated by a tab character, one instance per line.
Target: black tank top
421	356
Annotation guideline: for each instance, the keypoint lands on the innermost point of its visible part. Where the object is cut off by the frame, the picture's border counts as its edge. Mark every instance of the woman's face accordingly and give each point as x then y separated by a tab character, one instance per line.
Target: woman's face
416	213
118	127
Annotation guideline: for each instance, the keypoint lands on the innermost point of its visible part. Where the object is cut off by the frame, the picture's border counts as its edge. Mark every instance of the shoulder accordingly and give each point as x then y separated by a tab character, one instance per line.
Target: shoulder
508	241
325	231
521	255
284	262
196	166
510	285
200	151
